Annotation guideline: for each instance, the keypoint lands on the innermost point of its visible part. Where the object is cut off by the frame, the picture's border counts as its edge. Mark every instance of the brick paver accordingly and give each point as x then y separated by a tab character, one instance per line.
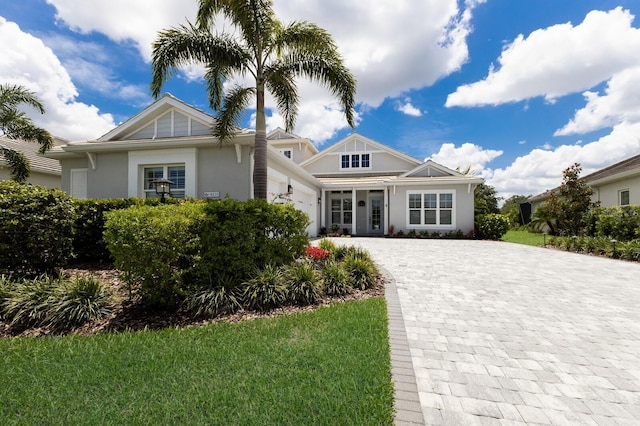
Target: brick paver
500	333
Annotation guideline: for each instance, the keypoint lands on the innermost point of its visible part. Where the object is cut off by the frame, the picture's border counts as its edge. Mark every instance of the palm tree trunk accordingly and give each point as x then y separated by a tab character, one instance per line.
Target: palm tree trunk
260	156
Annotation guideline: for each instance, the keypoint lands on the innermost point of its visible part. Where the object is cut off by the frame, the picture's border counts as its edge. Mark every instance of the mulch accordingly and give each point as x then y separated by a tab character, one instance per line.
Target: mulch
128	314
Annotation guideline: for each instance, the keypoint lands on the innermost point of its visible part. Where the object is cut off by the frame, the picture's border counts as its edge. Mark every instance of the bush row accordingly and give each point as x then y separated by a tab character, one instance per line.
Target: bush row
620	223
165	251
602	246
328	271
41	228
58	303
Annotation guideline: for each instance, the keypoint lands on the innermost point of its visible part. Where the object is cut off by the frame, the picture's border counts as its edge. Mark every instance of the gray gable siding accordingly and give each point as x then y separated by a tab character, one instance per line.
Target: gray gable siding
171	124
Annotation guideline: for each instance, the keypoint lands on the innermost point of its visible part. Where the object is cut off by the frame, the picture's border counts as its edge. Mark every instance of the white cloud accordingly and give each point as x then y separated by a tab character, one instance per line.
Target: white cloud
407	108
466	155
621	103
386	59
558	60
541	169
27	61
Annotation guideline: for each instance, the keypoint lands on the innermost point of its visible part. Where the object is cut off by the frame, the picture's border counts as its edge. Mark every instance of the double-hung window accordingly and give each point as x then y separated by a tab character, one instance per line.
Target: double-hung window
175	173
341	208
624	197
430	208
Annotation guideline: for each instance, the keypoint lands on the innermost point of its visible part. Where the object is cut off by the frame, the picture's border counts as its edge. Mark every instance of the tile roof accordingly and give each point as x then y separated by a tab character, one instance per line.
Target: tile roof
30	150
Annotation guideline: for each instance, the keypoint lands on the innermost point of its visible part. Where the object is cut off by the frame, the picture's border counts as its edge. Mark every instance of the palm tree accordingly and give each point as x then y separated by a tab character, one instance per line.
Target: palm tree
273	54
14	124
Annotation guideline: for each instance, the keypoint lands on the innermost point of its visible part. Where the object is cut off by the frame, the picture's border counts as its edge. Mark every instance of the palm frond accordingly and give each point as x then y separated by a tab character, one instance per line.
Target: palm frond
281	84
12	96
235	101
328	72
186	44
18	164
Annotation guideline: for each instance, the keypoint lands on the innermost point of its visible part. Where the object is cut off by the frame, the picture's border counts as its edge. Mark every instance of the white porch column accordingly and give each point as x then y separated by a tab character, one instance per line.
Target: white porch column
323	209
354	205
386	209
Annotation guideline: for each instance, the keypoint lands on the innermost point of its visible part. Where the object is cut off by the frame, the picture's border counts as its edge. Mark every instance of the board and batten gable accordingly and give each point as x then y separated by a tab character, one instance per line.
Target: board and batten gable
291	146
358	155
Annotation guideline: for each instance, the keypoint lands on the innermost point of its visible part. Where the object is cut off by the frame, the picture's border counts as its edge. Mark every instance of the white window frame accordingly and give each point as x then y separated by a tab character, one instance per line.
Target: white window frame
342	196
353	157
620	197
139	159
151	192
438	209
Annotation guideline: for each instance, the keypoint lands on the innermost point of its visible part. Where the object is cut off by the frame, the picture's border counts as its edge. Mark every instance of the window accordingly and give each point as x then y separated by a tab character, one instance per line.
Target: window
286	152
355	161
175	174
624	197
430	209
345	162
341	208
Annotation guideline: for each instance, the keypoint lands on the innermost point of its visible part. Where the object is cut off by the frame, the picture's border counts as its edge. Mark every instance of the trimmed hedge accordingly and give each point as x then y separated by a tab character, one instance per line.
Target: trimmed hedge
155	247
491	226
36	228
239	238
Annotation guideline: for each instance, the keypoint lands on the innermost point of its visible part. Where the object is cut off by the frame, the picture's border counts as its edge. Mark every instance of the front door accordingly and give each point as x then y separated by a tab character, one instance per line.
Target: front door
376	219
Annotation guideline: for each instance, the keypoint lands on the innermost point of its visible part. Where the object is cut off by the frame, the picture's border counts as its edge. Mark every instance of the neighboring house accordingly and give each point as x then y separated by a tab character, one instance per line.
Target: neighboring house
615	185
44	171
357	183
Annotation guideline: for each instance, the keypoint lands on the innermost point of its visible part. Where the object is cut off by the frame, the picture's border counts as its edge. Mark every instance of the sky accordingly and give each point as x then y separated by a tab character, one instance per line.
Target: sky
517	90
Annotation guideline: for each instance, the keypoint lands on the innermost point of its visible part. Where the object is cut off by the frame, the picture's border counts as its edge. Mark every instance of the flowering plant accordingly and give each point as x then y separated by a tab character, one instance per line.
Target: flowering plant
317	253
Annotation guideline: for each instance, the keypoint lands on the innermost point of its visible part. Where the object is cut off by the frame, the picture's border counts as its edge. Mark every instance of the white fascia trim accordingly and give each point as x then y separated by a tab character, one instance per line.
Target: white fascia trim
139	159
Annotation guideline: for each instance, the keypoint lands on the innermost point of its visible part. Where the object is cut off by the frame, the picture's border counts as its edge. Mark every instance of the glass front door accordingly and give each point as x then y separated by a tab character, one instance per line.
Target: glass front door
376	221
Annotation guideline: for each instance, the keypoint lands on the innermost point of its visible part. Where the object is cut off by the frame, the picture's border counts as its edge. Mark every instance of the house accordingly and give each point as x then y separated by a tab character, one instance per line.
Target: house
615	185
44	171
357	184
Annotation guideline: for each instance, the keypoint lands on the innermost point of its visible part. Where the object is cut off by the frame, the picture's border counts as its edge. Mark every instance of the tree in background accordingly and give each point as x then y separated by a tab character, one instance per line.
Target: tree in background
14	124
261	47
486	200
570	203
511	209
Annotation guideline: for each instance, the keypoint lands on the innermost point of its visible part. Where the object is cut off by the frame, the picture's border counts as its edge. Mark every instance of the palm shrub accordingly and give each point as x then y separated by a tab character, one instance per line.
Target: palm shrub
304	286
363	272
265	290
27	304
340	252
220	298
359	253
327	245
77	301
336	279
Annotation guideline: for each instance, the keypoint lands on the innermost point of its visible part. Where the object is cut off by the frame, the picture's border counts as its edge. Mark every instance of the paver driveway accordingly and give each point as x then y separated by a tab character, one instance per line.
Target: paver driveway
502	333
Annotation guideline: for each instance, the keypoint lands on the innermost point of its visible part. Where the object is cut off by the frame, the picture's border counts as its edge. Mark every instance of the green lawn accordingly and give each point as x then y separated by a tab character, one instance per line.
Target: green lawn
524	237
329	366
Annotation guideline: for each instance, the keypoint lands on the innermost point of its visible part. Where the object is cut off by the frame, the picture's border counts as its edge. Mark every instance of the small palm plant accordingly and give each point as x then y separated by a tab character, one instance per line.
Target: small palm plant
220	299
304	286
337	281
265	290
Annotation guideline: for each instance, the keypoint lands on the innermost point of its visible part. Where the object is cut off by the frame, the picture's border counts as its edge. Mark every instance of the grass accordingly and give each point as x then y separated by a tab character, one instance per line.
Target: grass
524	237
329	366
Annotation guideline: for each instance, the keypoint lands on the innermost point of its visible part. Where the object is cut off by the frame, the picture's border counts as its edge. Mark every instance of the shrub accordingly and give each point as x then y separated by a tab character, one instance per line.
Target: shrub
362	272
327	245
36	228
56	302
303	284
220	298
6	285
28	303
336	279
265	290
317	254
620	223
76	302
492	226
156	247
240	237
